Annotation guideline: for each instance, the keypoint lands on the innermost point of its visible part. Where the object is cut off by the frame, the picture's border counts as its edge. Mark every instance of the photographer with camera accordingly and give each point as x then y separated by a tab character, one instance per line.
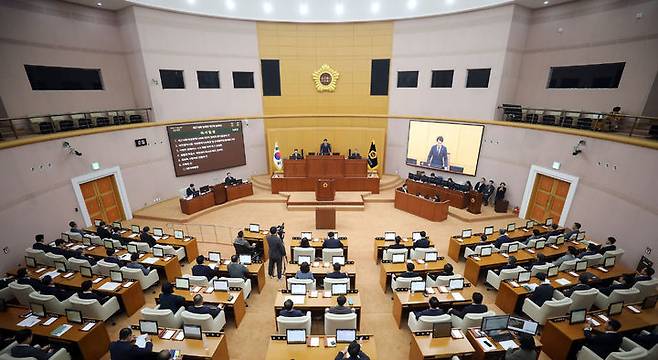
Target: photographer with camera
277	252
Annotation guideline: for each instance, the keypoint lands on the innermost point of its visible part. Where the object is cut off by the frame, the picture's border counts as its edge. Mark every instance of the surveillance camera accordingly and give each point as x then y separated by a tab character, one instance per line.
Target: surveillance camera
576	151
76	152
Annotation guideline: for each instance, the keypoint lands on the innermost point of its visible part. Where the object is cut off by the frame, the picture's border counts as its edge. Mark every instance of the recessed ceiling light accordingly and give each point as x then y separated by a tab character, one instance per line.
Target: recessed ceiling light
267	7
374	7
230	4
339	9
450	2
303	8
191	2
546	2
411	4
99	4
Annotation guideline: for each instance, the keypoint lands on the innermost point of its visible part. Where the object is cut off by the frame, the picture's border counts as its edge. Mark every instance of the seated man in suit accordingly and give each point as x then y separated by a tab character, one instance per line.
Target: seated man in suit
340	308
203	270
296	155
447	271
475	308
433	310
288	310
410	273
125	348
304	272
169	300
543	292
331	242
24	349
229	180
355	154
397	244
74	228
325	148
604	343
241	241
23	279
503	238
626	282
59	248
574	231
237	270
535	235
423	242
592	249
144	236
352	352
102	231
133	264
48	288
583	281
86	293
645	339
609	245
199	308
571	254
645	274
192	191
554	230
541	260
39	245
337	274
511	264
111	257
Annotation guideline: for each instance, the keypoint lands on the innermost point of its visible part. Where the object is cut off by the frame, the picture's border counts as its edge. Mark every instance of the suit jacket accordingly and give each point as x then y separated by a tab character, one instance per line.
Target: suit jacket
422	243
602	343
642	278
332	243
103	233
355	156
608	290
409	274
296	157
587	253
203	270
122	350
204	309
647	341
291	313
520	354
438	157
112	260
171	302
60	294
470	309
480	186
500	193
40	246
340	310
337	275
277	249
325	149
507	266
136	265
93	296
568	292
147	238
229	180
302	275
237	270
605	248
542	293
191	192
36	284
396	246
24	351
428	312
502	240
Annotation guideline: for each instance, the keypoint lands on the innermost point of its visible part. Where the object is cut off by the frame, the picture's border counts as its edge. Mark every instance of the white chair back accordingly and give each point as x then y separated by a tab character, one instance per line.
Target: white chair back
38	255
328	254
197	280
165	318
504	247
445	280
419	253
593	260
296	251
105	267
551	239
92	309
387	255
330	281
532	242
206	321
75	236
338	321
583	299
95	240
245	285
74	263
50	302
310	283
618	253
536	269
568	265
141	246
646	288
470	320
426	323
403	282
145	281
51	258
300	322
21	292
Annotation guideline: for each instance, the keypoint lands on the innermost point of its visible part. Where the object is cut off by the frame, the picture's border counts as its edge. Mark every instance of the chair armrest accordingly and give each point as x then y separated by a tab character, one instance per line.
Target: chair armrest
558	295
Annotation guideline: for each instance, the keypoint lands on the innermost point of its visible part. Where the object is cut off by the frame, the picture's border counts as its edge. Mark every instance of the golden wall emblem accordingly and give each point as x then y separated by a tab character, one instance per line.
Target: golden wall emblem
325	78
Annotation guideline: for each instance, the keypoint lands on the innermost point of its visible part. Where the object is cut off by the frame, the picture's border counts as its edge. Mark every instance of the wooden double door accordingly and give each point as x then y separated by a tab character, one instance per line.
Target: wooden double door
548	198
102	199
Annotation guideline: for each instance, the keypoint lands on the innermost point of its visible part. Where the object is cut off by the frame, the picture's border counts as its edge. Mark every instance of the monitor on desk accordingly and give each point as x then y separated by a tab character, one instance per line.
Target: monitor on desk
338	289
520	325
441	330
398	258
109	244
345	335
296	336
134	229
307	235
529	224
65	237
37	309
540	244
148	327
552	271
577	316
559	240
486	251
581	265
30	261
192	332
97	222
86	240
60	266
456	284
512	248
338	260
548	222
245	259
489	230
431	256
158	251
523	277
73	316
491	323
254	228
220	285
511	227
609	261
158	232
416	235
117	225
298	289
581	236
214	256
116	276
649	302
389	235
615	308
467	233
85	271
417	286
132	248
204	189
182	283
303	259
178	234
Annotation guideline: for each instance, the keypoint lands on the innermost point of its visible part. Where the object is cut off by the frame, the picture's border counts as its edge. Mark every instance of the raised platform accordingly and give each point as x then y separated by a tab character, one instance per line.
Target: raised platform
344	200
487	213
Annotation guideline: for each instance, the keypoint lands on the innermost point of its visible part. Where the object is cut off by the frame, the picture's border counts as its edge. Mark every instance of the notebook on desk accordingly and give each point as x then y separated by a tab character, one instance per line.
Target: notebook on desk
61	330
150	261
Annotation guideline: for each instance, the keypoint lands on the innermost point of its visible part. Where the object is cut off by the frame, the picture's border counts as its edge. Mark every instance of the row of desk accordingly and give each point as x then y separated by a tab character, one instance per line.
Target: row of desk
316	243
220	194
381	245
320	271
317	305
388	269
419	206
456	198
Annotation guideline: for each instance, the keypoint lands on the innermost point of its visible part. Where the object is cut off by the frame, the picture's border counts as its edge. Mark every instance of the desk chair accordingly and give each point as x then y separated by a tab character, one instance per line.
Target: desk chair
116	243
338	321
6	294
651	353
568	265
38	255
532	242
441	280
51	258
646	288
580	299
617	253
296	251
165	318
550	309
244	284
7	348
328	254
145	281
170	250
142	247
21	292
310	284
420	253
330	281
75	236
387	255
552	239
50	302
95	240
593	260
206	321
104	268
426	323
61	354
628	351
93	309
198	280
301	322
536	269
478	250
494	279
626	295
402	282
469	320
74	264
504	247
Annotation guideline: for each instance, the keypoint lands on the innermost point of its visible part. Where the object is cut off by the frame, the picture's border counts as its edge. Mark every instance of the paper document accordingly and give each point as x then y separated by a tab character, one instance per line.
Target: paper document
457	296
296	299
429	290
508	344
109	286
486	344
61	330
157	237
443	289
327	294
53	274
140	341
315	342
180	336
150	261
168	334
563	282
29	321
132	236
125	257
50	321
88	326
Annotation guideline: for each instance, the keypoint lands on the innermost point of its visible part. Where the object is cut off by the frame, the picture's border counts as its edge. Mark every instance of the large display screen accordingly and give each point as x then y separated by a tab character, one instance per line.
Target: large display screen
208	146
444	146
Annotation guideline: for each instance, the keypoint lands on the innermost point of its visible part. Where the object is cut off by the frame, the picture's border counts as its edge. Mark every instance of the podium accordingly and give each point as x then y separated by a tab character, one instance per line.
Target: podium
325	190
474	202
325	218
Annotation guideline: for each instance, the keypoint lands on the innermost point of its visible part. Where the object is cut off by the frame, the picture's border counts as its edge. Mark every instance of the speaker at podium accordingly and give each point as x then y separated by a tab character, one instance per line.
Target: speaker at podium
325	190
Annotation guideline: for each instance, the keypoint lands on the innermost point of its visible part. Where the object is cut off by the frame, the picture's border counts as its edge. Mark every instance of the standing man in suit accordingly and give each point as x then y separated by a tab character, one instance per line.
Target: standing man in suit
475	308
277	253
488	190
39	245
296	155
500	192
146	237
331	242
325	148
169	300
438	155
604	343
543	292
23	349
192	191
199	308
203	270
125	348
340	308
481	185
